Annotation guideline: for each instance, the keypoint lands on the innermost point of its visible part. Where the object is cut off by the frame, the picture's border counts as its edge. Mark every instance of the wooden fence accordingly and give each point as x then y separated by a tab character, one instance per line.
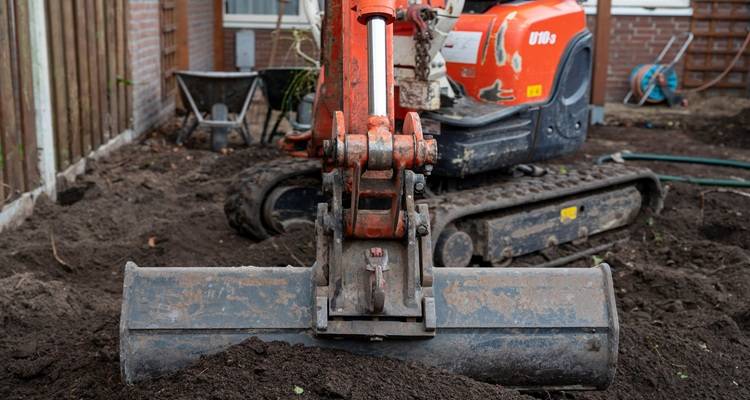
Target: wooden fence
18	161
91	93
720	27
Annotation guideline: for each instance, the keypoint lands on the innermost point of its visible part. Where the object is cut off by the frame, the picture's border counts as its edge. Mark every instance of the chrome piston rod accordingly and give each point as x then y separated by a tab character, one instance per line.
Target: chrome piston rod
377	60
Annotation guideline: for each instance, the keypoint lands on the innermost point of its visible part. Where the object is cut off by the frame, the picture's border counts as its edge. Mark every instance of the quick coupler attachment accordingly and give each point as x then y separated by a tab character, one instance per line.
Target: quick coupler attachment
545	329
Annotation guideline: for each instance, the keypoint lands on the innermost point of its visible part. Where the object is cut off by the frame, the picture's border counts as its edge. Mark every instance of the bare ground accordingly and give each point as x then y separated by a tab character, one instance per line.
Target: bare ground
682	283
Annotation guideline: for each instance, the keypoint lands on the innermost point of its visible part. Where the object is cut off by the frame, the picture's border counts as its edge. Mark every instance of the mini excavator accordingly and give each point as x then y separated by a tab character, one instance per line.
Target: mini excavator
426	116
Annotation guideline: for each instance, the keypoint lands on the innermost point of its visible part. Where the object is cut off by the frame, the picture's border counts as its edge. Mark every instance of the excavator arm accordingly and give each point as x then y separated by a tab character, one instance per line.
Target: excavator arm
373	221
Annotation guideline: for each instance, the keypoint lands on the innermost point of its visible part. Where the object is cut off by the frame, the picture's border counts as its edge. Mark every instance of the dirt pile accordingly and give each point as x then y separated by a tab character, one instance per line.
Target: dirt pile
682	299
275	370
24	299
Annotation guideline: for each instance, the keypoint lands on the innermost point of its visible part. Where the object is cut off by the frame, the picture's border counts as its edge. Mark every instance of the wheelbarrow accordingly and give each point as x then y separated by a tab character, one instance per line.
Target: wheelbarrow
213	97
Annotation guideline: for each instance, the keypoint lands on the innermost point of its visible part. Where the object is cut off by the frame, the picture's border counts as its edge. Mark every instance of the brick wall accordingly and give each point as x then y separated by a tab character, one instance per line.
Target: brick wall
143	41
285	56
201	25
636	40
149	108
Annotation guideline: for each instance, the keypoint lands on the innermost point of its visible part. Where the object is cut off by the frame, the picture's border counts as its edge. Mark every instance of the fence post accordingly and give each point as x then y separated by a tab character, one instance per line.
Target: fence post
42	97
601	60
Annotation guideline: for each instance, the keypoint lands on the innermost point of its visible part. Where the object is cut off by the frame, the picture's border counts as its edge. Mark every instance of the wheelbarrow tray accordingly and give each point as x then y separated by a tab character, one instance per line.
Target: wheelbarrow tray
202	90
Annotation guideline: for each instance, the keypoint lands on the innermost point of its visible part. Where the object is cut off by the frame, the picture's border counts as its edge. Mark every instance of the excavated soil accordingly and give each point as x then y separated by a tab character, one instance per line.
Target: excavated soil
682	284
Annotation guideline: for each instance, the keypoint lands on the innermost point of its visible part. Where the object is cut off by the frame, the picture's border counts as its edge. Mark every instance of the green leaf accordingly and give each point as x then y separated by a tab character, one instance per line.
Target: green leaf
563	170
126	82
298	390
658	238
597	260
302	83
682	375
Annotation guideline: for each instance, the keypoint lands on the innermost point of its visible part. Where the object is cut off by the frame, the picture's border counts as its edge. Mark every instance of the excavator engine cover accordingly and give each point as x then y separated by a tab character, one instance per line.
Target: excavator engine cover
524	70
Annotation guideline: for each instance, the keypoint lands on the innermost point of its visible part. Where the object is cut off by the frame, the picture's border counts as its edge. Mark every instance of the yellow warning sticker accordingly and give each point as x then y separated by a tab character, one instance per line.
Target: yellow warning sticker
534	91
568	214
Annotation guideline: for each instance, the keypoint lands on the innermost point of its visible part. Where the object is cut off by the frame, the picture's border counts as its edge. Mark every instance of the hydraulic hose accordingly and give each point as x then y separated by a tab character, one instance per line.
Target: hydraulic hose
716	162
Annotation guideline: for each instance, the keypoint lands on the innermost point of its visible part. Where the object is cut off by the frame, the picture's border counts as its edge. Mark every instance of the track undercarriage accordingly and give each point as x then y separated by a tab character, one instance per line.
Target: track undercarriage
500	219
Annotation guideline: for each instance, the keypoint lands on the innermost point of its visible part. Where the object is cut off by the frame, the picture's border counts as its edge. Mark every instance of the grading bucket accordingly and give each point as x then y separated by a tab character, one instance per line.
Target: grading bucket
546	329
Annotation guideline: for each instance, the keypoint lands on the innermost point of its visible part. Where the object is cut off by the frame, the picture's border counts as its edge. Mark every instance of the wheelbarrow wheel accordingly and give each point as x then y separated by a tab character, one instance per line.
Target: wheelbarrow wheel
219	135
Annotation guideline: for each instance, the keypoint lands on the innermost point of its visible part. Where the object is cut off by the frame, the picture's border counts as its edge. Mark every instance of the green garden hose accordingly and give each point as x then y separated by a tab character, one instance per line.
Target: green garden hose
717	162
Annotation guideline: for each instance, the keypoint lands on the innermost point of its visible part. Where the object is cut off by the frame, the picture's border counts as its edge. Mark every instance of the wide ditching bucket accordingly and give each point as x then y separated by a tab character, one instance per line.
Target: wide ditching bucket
550	329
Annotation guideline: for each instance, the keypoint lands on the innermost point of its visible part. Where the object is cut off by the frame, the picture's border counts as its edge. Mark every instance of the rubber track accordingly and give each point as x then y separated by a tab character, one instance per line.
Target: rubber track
244	202
555	185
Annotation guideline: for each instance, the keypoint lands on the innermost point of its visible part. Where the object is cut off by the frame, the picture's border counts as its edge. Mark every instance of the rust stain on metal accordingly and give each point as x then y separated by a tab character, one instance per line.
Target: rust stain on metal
419	94
509	294
469	301
191	280
284	297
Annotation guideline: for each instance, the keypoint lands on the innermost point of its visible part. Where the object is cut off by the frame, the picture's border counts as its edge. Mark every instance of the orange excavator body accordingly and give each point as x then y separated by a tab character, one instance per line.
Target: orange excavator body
520	50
